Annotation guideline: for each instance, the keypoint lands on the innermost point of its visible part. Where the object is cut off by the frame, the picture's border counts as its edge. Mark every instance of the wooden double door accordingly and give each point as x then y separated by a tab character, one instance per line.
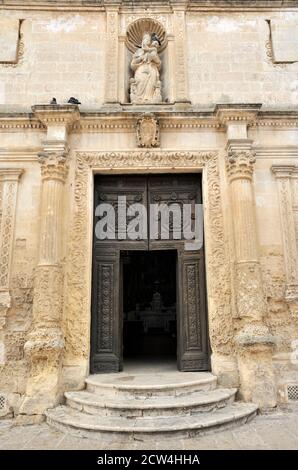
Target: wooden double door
182	190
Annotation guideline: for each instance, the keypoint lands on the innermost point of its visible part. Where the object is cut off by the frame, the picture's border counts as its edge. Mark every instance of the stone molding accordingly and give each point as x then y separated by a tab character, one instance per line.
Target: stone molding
287	183
181	86
190	5
77	289
111	84
9	179
126	118
246	113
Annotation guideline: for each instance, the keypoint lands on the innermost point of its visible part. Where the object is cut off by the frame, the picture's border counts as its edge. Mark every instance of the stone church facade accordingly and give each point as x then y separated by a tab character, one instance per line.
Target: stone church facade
220	101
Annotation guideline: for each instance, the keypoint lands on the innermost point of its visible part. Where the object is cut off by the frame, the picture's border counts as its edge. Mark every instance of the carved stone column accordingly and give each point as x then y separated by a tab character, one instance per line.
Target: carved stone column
286	176
45	342
253	340
9	180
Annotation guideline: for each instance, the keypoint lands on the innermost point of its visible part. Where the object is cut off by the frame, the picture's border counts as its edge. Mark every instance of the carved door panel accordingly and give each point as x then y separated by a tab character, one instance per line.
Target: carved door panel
192	345
121	192
106	327
181	193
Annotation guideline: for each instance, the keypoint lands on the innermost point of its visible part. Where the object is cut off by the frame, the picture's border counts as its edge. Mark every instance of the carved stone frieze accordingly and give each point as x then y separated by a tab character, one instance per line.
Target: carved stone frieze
148	131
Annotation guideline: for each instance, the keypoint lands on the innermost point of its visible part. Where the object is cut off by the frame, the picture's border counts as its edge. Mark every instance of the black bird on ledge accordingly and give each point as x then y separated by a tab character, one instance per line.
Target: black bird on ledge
73	100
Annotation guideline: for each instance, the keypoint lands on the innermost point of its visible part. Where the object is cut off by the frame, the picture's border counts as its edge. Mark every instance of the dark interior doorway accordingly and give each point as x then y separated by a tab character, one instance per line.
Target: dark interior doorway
149	304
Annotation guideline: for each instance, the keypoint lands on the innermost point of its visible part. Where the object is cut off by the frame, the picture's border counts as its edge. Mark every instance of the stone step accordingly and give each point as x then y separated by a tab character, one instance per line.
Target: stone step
196	402
90	425
150	385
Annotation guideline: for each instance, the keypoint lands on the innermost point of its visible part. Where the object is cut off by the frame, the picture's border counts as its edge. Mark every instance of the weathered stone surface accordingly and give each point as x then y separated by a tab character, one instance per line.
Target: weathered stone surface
48	155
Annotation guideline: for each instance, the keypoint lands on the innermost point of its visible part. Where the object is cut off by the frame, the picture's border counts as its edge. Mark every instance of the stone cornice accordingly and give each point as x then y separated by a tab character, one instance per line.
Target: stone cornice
10	174
127	5
125	120
246	113
284	170
57	115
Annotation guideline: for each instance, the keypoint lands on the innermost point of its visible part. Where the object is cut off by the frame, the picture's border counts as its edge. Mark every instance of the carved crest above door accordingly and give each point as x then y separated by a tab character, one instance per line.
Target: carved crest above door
148	131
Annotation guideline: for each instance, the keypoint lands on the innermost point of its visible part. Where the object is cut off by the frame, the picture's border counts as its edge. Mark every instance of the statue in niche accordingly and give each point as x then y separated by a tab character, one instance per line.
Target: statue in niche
145	86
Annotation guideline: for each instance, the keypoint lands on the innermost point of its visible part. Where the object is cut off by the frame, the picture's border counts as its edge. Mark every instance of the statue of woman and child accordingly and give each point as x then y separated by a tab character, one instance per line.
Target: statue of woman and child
145	87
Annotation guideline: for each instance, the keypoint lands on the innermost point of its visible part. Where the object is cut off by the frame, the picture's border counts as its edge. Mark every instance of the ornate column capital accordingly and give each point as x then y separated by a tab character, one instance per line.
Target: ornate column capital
53	161
240	164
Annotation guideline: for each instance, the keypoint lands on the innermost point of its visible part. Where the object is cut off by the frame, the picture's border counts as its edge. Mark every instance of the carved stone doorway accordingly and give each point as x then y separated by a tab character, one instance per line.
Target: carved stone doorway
108	280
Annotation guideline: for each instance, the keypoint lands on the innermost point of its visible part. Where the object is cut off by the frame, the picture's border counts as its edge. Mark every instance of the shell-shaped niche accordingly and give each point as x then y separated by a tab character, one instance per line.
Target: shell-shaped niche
139	27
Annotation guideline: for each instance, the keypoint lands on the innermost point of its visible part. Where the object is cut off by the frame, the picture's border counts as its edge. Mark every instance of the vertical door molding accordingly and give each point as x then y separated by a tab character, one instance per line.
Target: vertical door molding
9	180
287	184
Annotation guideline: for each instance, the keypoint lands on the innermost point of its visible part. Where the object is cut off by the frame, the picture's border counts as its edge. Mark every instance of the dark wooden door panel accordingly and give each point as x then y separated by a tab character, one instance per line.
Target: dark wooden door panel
192	337
106	344
108	190
172	191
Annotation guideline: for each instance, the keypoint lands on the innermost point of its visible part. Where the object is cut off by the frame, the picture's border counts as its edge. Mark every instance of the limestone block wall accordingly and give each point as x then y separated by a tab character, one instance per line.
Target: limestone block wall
230	56
63	55
231	59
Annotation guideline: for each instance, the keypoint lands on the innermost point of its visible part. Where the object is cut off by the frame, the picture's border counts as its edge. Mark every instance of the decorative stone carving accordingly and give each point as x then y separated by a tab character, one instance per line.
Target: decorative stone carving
112	54
77	308
145	86
54	165
240	164
286	176
148	131
139	26
180	53
9	179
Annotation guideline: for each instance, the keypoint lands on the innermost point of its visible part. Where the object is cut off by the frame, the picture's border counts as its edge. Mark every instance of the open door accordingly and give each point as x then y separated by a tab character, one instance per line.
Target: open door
107	281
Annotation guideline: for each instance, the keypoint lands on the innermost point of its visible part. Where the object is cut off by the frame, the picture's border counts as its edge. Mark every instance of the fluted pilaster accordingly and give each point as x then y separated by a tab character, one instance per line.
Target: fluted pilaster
45	343
253	339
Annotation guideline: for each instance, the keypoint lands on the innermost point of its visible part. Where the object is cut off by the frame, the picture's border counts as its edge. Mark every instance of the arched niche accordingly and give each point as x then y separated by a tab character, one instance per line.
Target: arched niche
131	42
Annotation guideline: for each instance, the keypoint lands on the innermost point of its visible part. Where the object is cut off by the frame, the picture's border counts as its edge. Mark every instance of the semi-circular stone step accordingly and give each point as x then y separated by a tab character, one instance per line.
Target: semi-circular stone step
83	424
195	402
150	385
